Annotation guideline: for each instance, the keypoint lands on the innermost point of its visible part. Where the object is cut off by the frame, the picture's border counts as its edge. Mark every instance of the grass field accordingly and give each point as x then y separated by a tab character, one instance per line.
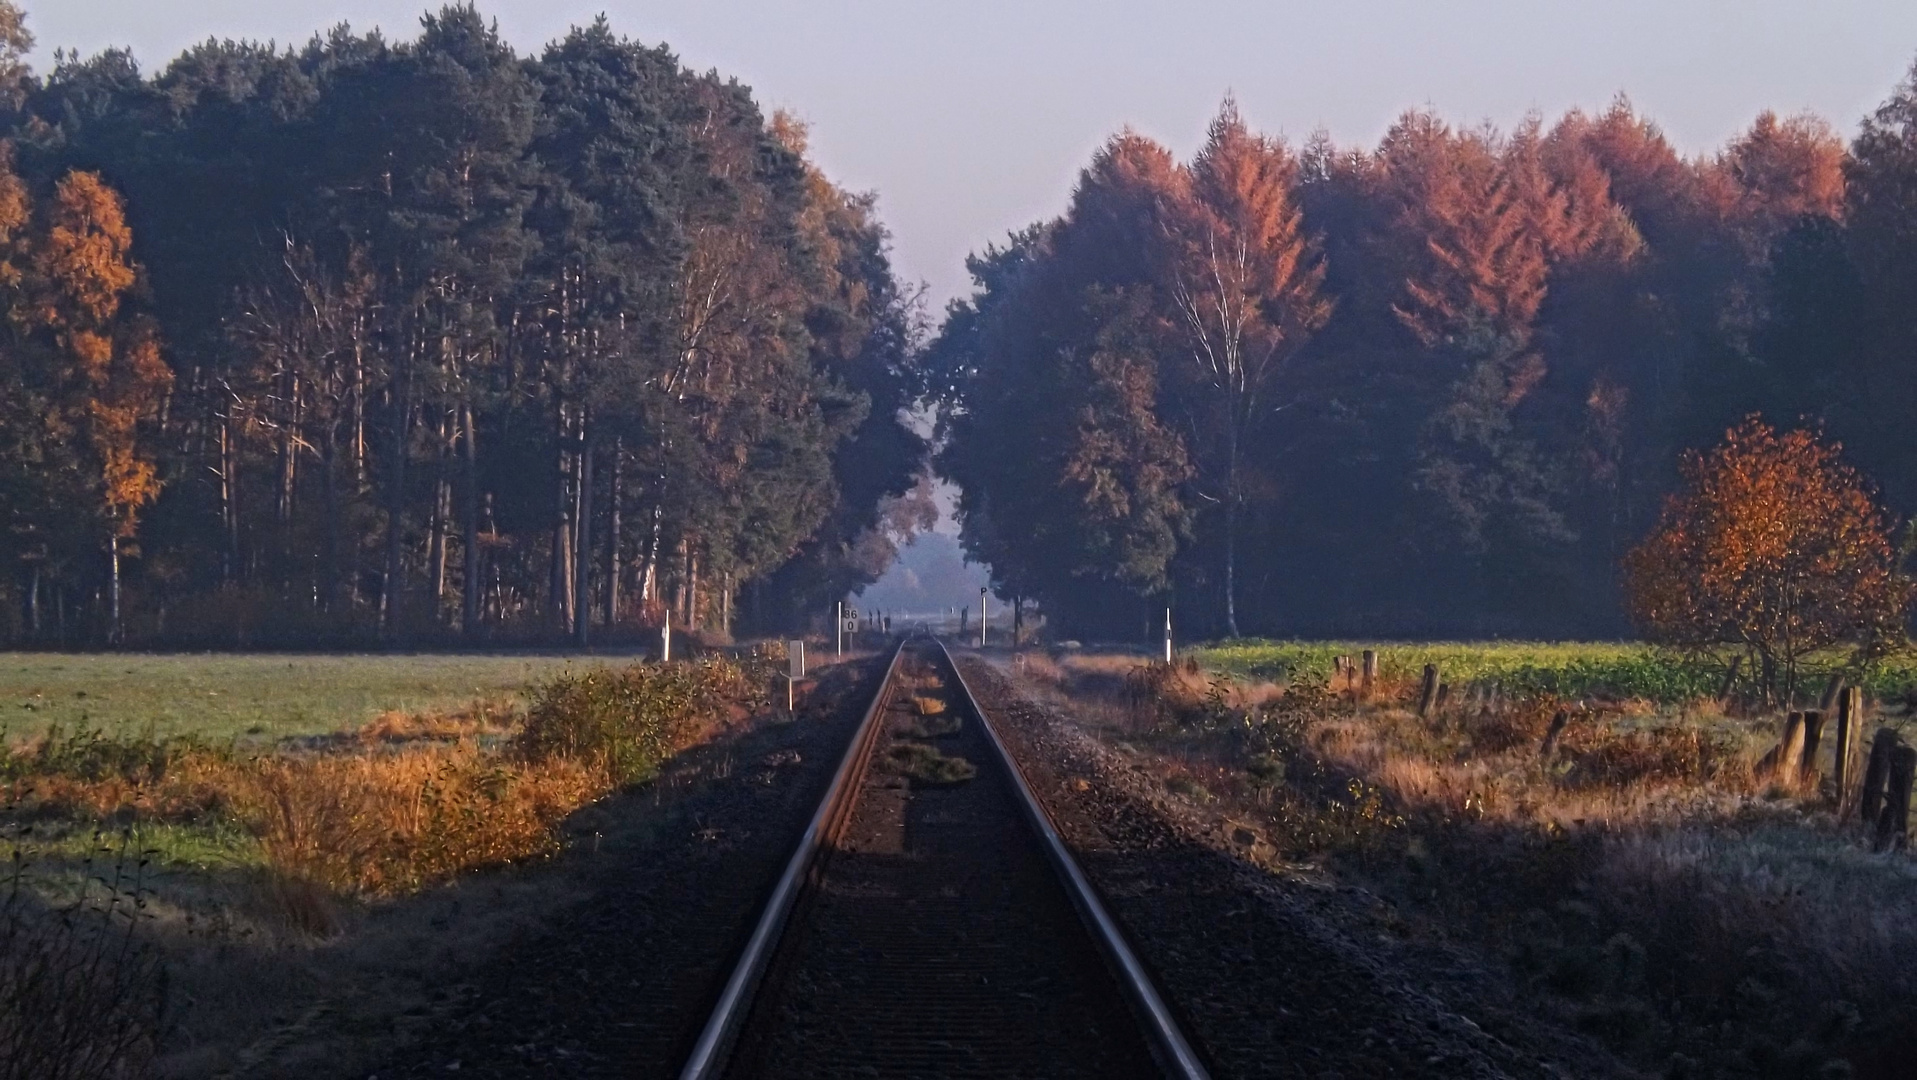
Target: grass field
257	696
1570	669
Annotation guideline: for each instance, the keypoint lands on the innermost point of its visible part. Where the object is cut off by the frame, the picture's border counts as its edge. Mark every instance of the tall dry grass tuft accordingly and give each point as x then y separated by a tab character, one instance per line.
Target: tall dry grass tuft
395	823
485	716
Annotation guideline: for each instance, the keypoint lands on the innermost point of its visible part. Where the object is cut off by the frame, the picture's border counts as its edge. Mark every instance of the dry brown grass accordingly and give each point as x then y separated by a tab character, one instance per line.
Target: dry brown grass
335	826
1605	770
487	716
1671	897
1138	695
387	824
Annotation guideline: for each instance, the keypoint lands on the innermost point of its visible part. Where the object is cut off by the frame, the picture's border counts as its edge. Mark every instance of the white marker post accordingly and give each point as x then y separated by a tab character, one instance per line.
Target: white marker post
838	629
1168	647
794	668
665	639
981	616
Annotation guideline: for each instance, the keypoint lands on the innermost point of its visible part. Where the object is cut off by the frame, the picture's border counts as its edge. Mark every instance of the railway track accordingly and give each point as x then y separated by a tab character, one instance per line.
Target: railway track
932	923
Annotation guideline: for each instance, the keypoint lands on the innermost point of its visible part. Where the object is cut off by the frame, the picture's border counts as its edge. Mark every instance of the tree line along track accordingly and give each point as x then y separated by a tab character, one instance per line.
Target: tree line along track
929	924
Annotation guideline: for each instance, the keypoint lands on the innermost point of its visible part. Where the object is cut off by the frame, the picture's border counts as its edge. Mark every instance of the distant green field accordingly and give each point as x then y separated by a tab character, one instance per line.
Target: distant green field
1573	669
260	696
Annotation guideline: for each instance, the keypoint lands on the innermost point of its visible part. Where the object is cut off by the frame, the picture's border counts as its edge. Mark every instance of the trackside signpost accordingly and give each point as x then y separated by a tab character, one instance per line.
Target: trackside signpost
794	670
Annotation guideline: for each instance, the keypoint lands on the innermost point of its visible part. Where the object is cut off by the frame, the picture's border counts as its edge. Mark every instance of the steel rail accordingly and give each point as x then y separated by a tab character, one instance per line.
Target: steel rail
1174	1052
708	1054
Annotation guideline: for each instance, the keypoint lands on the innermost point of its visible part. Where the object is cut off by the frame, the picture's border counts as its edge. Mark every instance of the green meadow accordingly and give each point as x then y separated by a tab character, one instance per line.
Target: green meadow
1571	669
247	696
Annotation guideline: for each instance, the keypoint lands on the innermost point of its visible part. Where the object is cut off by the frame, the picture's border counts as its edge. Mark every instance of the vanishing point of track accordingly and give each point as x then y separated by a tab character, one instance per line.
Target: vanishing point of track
936	930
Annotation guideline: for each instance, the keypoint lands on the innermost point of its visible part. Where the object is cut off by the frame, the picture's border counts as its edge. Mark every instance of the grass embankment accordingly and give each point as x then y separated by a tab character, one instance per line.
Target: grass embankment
224	842
406	800
1643	878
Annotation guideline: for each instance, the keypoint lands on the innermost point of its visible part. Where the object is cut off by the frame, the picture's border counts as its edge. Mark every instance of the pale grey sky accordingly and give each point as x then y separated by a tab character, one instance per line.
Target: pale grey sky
971	119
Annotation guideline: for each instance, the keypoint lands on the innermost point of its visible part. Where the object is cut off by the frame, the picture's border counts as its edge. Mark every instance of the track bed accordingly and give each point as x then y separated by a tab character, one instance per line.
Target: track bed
935	939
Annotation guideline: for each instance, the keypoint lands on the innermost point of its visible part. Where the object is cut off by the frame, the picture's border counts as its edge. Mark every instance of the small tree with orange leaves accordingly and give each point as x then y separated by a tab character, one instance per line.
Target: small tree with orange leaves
86	266
1773	549
84	373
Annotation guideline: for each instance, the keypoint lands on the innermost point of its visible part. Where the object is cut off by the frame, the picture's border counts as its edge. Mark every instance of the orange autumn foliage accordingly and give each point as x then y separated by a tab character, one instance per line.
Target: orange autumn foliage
1772	546
1475	230
86	257
1787	169
1247	286
81	269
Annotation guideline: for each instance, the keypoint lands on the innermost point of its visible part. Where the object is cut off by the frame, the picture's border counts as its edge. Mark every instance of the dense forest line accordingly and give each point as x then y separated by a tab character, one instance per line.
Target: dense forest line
408	341
1438	387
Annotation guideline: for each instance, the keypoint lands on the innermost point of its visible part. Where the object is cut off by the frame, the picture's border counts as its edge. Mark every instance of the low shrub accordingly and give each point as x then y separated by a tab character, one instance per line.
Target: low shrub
625	722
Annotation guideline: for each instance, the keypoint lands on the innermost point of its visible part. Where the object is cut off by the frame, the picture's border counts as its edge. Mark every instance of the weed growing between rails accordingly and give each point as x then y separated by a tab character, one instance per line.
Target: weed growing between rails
1632	869
924	765
925	717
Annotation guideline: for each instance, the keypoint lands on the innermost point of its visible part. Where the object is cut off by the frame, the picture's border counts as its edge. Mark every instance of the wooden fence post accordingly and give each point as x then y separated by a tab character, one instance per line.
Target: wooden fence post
1813	734
1428	695
1558	721
1850	713
1831	689
1876	773
1730	682
1783	758
1893	824
1371	668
